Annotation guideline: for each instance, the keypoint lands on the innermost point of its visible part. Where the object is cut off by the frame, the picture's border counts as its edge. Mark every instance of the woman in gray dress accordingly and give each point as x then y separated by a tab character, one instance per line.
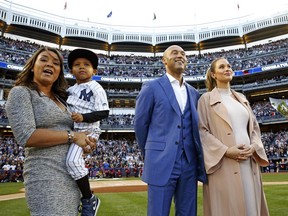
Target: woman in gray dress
40	121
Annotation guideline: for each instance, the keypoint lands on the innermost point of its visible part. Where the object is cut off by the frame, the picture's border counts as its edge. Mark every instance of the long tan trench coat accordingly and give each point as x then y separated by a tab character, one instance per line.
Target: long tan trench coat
224	193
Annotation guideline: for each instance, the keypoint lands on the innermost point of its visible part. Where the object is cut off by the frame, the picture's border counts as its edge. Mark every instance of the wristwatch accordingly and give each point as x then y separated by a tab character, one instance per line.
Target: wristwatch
70	136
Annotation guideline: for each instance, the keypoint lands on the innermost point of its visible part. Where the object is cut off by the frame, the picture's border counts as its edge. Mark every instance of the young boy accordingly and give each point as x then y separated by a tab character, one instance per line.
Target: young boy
88	103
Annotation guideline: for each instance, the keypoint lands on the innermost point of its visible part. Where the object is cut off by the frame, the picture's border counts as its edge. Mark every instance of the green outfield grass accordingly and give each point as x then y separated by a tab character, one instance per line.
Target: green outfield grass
135	203
275	177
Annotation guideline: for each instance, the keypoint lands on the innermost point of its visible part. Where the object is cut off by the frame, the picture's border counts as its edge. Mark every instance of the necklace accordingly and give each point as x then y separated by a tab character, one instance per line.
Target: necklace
61	105
56	100
52	96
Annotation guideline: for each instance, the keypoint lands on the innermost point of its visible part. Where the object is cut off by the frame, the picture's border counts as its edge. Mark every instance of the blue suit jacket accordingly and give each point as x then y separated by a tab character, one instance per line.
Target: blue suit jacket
157	116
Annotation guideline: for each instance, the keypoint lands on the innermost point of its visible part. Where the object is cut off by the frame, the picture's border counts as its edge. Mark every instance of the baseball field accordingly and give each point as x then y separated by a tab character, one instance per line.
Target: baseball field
128	197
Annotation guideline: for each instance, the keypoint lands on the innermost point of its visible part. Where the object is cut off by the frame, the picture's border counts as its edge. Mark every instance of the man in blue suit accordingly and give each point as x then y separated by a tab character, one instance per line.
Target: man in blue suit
166	128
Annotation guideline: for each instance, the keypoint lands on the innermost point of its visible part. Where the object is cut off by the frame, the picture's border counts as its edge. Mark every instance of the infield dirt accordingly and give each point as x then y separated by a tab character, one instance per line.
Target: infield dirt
112	186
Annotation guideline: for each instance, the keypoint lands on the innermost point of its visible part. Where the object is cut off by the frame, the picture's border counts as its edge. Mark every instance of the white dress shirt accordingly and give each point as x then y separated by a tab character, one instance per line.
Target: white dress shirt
180	91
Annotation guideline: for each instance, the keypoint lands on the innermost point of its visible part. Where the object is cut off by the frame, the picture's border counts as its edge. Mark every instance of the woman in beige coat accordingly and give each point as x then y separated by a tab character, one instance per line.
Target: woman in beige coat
233	151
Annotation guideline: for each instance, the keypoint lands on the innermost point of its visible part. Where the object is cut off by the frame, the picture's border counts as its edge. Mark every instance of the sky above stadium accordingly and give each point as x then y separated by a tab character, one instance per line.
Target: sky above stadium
155	12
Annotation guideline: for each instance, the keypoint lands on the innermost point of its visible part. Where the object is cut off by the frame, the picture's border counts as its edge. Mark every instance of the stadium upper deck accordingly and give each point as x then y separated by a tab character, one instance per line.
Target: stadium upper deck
252	68
42	26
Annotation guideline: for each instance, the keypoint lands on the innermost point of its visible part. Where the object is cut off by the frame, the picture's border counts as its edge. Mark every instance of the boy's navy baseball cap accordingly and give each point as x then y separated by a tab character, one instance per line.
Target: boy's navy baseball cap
82	53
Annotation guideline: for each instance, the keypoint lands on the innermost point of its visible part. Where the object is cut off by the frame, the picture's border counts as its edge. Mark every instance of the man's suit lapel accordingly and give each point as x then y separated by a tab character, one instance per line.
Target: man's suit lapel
167	88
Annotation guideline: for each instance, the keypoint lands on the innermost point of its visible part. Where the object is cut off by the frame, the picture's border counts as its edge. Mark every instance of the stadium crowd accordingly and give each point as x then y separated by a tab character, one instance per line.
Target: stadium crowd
119	158
17	52
122	157
262	109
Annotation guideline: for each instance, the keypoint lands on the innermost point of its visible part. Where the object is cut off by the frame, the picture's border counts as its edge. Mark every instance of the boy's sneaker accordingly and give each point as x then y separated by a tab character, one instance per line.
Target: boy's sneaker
90	206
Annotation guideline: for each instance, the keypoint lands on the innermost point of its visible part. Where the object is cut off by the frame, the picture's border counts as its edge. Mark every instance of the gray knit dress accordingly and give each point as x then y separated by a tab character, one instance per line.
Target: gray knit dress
49	189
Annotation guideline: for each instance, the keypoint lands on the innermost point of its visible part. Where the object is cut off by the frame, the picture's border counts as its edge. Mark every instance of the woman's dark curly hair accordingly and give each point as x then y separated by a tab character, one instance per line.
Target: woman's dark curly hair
25	77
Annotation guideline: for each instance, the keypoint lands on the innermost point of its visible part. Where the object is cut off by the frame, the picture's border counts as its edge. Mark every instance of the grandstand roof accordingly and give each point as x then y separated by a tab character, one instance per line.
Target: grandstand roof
127	46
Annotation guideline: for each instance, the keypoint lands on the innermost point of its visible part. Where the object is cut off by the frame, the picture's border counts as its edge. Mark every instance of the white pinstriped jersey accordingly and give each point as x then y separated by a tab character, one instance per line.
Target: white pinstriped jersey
86	98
